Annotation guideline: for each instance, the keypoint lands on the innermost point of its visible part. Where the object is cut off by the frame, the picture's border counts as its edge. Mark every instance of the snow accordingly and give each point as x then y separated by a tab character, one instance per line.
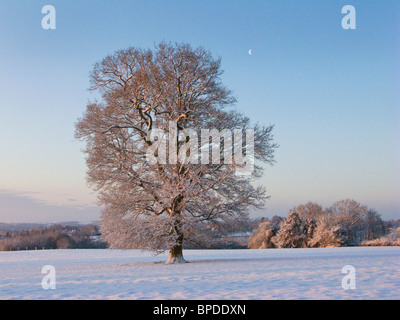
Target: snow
210	274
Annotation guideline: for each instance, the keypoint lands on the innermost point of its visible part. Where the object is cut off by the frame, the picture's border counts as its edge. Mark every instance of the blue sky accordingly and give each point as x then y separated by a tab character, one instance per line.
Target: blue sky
333	94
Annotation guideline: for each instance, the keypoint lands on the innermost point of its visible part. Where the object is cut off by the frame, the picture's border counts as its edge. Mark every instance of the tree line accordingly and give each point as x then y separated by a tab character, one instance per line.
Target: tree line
344	223
52	237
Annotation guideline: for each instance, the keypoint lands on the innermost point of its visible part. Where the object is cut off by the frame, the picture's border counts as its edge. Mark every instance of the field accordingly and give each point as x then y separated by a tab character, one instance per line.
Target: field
210	274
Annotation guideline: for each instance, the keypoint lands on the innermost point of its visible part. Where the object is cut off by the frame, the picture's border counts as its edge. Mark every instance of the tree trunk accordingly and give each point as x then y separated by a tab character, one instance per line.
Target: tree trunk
175	255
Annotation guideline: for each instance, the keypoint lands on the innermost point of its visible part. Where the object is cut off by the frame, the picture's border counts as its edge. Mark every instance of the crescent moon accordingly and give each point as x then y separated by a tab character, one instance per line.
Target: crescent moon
250	52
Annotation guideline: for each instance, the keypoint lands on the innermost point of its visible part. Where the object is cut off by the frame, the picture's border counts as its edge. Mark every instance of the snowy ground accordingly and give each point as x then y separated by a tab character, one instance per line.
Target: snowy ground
211	274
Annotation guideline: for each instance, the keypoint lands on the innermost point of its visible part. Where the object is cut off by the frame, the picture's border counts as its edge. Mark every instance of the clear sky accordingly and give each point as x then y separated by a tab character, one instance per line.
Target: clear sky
333	94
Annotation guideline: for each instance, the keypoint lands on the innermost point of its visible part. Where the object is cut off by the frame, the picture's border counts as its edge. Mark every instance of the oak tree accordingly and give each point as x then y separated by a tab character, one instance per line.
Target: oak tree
159	183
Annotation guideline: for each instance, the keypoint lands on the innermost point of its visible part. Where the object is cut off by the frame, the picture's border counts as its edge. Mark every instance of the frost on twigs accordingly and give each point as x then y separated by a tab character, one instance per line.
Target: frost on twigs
135	232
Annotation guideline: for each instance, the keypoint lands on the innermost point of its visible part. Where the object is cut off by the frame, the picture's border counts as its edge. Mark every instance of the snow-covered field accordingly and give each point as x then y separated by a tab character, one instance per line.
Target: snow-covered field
210	274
